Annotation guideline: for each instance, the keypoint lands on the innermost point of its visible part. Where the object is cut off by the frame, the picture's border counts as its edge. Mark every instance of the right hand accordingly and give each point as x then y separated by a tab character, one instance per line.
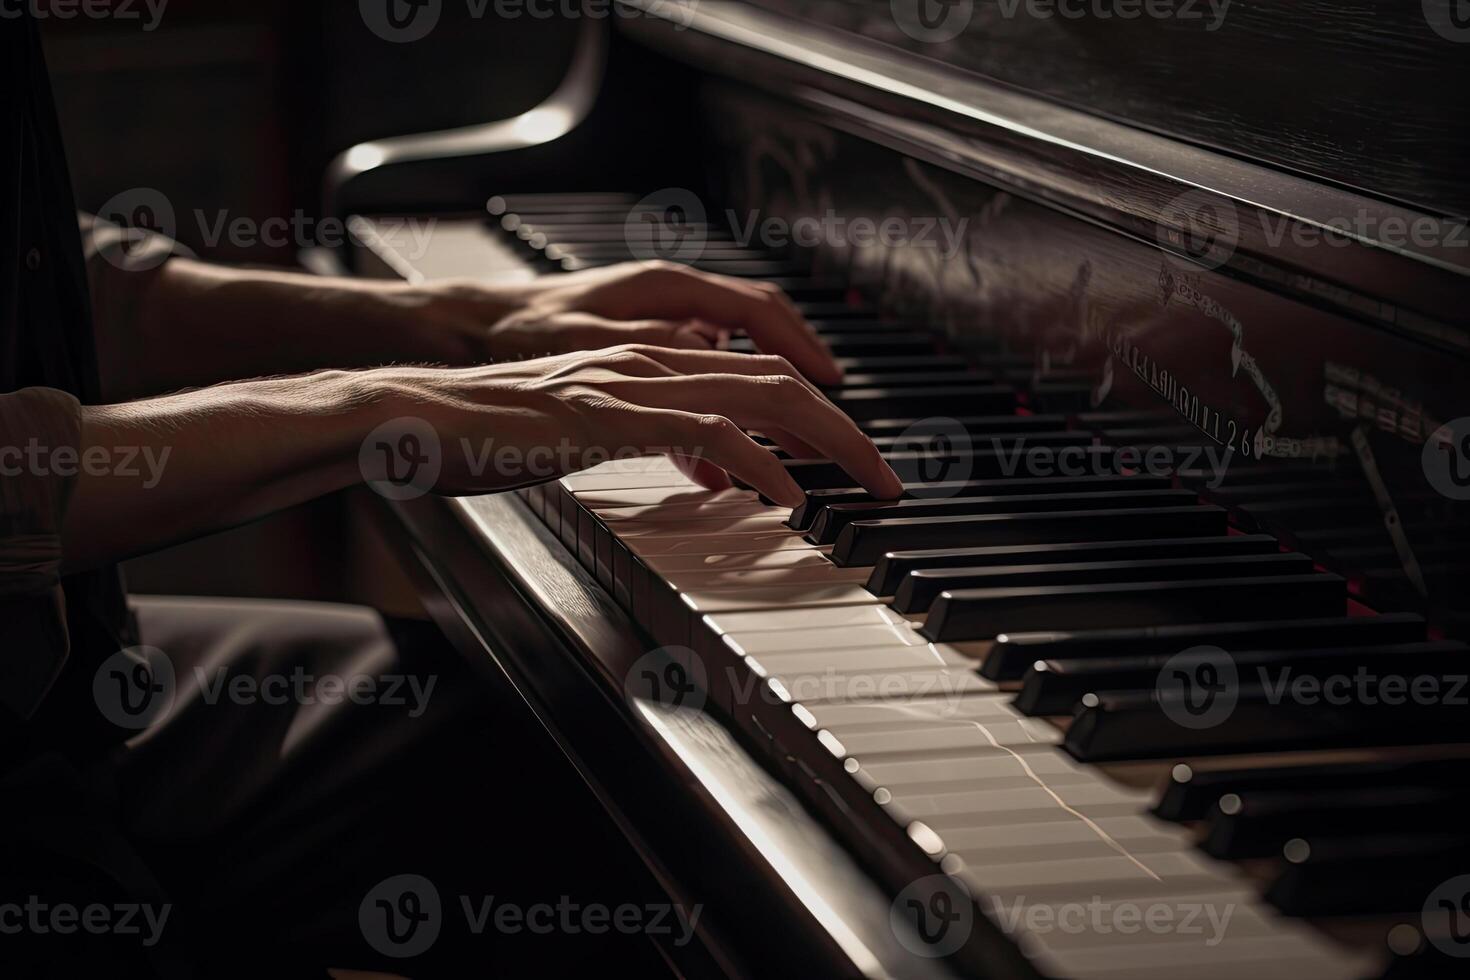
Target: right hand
575	410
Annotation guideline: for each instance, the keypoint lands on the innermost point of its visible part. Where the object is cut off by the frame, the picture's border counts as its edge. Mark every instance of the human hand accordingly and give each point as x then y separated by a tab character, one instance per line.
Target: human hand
634	399
655	303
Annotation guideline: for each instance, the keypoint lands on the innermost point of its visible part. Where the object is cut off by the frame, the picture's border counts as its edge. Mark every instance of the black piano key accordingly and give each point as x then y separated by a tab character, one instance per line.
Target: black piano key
822	310
912	379
1191	792
1142	725
1124	418
1367	875
1258	824
881	403
1304	513
805	514
900	363
1053	687
940	441
976	614
1059	396
834	517
1006	424
864	542
945	442
895	566
976	463
1168	434
1014	653
1234	496
920	589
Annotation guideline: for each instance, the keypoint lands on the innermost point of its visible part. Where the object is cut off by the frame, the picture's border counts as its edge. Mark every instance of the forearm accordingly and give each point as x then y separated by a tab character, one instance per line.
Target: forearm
201	324
163	470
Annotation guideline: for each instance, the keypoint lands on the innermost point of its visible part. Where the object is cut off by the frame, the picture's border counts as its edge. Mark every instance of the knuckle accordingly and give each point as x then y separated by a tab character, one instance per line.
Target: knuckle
628	355
780	365
787	388
717	426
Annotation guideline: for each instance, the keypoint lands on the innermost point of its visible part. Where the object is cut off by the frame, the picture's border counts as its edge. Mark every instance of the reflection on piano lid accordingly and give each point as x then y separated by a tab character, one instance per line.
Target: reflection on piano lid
1156	669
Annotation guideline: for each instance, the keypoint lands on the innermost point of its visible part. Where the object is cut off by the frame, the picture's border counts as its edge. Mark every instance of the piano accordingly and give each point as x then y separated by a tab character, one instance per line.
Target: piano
1159	667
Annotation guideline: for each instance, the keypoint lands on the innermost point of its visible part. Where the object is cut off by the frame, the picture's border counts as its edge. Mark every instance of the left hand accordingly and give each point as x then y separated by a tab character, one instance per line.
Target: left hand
654	303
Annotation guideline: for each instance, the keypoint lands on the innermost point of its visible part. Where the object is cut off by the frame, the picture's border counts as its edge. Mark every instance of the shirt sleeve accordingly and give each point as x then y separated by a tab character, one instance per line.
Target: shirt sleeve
40	443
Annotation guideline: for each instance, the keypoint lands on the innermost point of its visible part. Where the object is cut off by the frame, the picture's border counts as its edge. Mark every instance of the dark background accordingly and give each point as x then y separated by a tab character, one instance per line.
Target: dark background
237	107
241	104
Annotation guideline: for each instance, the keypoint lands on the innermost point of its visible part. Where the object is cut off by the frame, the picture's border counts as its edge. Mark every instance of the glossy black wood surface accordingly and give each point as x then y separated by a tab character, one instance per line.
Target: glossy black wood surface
1367	94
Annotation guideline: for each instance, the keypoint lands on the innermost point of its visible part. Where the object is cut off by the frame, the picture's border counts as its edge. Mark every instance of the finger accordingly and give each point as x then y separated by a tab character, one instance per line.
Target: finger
763	312
678	334
719	441
702	471
798	448
725	362
775	402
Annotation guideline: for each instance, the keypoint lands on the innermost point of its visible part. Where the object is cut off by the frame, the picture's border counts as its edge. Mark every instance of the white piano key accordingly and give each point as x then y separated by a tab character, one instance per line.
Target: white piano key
1086	846
717	544
589	480
1198	922
1135	832
838	638
1039	765
651	496
1282	955
753	560
779	577
713	601
892	657
878	716
1022	800
830	686
806	619
942	736
664	514
710	526
1108	873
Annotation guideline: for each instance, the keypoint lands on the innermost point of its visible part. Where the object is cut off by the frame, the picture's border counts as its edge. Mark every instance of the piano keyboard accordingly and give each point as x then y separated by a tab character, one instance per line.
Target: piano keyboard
985	664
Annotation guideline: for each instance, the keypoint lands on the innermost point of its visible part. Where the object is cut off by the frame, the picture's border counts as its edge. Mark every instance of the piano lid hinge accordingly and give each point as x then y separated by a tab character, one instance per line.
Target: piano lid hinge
1391	520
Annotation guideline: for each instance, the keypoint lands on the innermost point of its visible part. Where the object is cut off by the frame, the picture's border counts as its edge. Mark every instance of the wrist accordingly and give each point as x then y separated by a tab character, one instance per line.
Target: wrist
465	313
